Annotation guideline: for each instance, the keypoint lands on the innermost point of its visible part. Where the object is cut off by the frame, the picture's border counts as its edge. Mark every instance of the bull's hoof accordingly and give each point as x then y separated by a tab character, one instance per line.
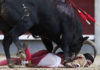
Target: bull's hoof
67	60
68	65
21	54
10	64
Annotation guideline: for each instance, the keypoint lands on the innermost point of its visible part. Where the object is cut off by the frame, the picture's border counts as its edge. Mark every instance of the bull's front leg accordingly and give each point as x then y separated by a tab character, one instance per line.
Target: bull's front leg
19	29
66	49
67	35
6	44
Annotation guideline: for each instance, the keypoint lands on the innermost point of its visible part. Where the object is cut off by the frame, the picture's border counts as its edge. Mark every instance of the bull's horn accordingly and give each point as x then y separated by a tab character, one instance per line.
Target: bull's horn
92	44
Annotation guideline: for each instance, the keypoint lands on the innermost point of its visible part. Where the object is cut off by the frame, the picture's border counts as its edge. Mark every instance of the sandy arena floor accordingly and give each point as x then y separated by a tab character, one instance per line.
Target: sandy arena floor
94	66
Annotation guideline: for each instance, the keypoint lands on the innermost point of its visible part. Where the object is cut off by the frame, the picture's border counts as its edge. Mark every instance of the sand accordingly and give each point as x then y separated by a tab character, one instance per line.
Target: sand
94	66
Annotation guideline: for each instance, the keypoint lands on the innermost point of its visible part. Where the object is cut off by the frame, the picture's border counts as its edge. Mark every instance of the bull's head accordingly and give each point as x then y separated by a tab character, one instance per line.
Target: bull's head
76	46
75	49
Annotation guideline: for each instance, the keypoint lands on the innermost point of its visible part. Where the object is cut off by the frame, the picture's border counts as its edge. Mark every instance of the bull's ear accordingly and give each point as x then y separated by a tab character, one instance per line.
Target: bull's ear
82	39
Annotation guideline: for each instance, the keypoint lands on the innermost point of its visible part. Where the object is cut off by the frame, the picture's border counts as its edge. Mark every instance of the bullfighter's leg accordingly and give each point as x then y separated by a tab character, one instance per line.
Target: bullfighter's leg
6	44
18	30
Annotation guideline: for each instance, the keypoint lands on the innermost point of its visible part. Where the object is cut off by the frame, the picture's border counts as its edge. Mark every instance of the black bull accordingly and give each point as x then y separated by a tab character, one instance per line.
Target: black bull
40	17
